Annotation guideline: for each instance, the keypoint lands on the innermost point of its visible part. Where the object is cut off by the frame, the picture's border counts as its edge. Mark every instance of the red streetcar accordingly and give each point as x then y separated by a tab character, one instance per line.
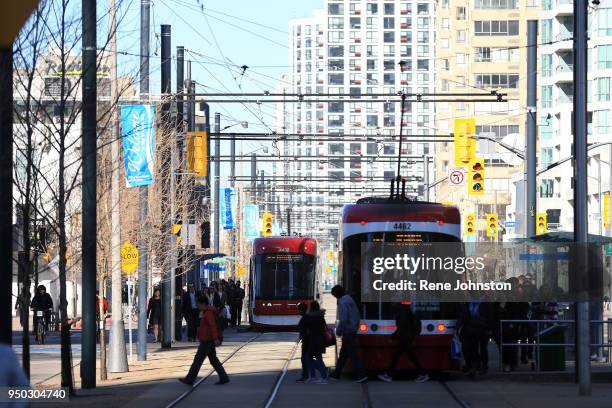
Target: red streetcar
388	220
283	273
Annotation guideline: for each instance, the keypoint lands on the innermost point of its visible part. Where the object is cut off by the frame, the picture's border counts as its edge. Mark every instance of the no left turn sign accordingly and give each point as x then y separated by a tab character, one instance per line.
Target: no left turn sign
456	177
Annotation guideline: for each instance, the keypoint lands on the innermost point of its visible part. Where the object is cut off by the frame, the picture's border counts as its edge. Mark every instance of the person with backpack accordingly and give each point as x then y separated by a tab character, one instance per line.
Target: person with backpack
408	327
210	336
315	332
348	324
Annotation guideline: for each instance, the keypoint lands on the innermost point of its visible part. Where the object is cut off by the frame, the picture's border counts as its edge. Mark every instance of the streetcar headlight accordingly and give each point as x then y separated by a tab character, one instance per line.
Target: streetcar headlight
363	327
441	328
374	327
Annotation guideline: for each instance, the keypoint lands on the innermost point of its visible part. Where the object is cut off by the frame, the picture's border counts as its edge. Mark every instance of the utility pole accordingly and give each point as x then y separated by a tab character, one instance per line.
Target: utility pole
190	87
166	286
180	127
426	177
581	222
253	178
217	179
289	221
117	359
89	197
6	193
530	140
143	196
233	185
262	190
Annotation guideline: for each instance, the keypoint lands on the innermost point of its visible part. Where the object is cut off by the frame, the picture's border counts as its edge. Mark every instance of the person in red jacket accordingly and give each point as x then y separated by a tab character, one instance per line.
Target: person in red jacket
210	336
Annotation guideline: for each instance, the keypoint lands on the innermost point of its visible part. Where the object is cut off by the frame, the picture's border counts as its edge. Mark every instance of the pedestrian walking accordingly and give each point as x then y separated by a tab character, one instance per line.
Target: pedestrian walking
348	324
239	302
191	311
154	313
210	336
303	332
232	299
315	333
408	327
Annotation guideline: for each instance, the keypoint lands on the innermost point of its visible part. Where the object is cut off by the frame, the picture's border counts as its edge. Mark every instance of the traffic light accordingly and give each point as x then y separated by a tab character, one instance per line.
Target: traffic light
176	230
492	225
541	223
266	220
197	153
465	144
606	210
470	224
476	177
205	235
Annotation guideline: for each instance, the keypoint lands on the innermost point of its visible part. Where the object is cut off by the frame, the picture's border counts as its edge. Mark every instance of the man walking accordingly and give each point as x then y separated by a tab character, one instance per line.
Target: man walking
348	324
210	336
191	311
239	299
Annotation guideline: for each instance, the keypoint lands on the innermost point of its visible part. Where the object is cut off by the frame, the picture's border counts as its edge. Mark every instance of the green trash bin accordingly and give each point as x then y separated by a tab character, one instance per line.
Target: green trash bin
552	358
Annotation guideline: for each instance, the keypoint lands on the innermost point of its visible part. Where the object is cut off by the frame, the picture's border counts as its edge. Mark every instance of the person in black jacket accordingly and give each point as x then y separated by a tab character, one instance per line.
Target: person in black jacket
191	311
306	374
408	327
41	302
154	313
315	332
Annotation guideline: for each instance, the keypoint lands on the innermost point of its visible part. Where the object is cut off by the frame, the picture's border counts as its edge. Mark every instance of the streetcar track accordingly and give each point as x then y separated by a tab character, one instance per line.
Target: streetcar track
281	376
210	372
366	399
459	400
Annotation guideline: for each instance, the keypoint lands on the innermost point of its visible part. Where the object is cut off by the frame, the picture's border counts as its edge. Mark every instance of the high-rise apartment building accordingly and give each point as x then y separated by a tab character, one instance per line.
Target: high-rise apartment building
555	192
481	46
356	47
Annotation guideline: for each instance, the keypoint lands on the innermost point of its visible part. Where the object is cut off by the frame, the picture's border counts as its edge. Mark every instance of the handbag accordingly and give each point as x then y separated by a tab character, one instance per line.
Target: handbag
329	338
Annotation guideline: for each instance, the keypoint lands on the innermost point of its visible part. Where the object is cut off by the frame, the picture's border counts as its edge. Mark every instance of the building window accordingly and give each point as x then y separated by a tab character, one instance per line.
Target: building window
336	23
461	13
603	89
546	65
422	9
389	79
389	8
371	64
546	156
546	129
604	56
546	96
546	30
496	27
371	23
423	36
460	36
603	118
496	4
546	188
335	9
372	120
496	80
445	23
423	64
460	58
372	8
405	51
335	51
389	36
335	36
423	22
604	21
355	23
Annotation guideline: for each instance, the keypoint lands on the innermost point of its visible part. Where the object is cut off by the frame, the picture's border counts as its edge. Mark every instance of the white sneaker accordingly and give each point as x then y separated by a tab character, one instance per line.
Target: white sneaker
422	378
385	377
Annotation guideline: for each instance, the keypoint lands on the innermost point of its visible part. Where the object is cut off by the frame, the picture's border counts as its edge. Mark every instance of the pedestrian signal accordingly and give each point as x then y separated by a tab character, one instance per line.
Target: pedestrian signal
476	177
464	143
197	153
267	220
470	224
492	225
541	223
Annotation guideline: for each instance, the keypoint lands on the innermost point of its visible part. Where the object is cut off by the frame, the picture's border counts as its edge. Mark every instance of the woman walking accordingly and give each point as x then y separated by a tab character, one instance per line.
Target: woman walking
154	312
315	332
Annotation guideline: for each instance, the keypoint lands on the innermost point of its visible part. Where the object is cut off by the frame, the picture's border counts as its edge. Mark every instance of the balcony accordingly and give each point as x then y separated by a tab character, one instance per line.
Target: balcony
564	98
564	73
357	40
563	8
563	41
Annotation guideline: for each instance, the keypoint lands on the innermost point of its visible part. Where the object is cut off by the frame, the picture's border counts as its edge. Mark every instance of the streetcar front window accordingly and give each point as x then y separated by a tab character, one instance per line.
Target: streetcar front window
284	276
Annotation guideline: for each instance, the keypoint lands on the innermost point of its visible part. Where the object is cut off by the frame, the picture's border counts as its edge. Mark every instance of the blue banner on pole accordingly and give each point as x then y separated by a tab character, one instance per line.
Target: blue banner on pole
251	221
228	205
138	134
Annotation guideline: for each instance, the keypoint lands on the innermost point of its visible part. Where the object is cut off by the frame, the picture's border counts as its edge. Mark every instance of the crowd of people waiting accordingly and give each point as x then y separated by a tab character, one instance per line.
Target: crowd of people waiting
226	296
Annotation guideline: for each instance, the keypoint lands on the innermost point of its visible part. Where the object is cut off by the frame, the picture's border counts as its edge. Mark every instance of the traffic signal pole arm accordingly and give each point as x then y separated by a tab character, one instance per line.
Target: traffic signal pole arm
518	152
555	164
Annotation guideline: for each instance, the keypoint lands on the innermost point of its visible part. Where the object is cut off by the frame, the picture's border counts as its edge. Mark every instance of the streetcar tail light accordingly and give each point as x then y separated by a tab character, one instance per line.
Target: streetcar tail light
406	303
362	222
440	222
363	327
441	327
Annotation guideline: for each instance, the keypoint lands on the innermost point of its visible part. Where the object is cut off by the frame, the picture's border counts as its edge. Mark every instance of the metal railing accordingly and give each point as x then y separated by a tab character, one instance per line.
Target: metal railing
537	345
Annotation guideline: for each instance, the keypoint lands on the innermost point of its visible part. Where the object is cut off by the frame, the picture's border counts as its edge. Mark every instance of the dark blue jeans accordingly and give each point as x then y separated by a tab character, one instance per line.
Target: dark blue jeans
315	361
348	350
206	349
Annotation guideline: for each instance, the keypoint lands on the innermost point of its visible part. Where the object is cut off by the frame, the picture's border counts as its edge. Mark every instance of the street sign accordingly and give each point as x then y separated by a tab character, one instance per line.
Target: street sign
510	224
129	258
608	249
456	177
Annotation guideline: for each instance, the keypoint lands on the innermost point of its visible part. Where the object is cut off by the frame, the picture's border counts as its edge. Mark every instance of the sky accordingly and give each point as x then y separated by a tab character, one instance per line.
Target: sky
221	36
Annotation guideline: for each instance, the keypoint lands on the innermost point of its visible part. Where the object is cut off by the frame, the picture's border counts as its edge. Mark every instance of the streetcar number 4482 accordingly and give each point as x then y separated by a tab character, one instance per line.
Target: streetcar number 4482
402	226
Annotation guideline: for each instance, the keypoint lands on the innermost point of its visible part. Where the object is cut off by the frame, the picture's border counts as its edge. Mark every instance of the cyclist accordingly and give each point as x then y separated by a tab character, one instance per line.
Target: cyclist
41	302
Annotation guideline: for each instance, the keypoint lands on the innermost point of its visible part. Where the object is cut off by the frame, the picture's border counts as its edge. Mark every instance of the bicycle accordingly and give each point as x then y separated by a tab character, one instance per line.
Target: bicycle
41	328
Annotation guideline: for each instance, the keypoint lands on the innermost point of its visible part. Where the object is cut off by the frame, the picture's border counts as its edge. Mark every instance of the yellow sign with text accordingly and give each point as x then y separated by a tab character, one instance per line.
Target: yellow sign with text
129	258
